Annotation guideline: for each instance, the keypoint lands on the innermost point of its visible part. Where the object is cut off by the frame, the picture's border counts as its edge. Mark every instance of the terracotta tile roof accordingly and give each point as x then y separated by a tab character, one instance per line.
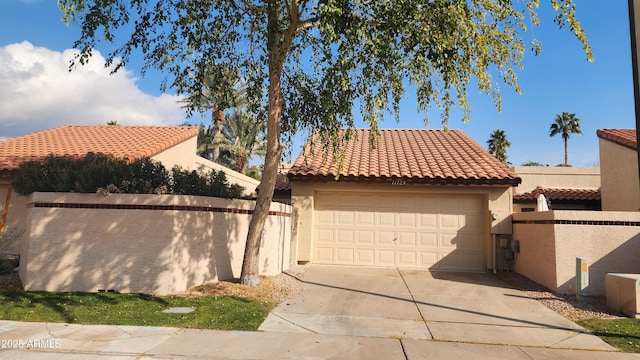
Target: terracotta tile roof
413	155
120	141
282	183
624	137
559	195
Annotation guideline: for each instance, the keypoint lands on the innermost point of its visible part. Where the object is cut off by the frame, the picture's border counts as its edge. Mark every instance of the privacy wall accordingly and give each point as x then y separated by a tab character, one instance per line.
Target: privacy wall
550	241
155	244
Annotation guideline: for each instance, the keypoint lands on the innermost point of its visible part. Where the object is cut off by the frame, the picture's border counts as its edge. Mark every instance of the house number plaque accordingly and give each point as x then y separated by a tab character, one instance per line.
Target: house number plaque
398	182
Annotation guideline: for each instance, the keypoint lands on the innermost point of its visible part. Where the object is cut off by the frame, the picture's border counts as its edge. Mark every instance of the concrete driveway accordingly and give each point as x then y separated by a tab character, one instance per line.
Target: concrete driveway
422	305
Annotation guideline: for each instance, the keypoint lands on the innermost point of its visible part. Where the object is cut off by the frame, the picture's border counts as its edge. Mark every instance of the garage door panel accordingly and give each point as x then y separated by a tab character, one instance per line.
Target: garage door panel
366	219
467	241
443	232
407	258
407	220
365	202
386	257
449	222
386	237
407	239
365	237
428	221
345	255
387	219
325	236
325	218
345	217
427	258
448	240
429	240
345	236
366	256
471	223
466	203
324	254
450	205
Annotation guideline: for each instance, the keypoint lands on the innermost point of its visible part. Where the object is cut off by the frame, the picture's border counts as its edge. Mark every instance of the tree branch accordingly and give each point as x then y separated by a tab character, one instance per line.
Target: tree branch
307	24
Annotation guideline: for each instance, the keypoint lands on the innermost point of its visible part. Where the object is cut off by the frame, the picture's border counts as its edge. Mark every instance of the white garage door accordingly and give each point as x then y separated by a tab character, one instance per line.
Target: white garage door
419	231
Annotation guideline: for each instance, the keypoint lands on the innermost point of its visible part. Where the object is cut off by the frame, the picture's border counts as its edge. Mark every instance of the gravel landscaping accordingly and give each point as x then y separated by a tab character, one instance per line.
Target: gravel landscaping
565	305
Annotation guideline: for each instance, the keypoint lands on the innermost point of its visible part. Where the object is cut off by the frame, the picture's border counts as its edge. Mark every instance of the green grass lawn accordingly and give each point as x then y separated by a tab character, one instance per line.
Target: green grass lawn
222	312
623	334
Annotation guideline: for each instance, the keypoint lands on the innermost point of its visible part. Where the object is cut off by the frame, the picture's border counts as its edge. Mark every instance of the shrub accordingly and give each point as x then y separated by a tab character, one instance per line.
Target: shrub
96	171
146	176
52	174
209	183
105	174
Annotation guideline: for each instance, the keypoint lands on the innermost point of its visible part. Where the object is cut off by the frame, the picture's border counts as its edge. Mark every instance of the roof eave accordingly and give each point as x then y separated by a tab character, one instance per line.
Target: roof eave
408	181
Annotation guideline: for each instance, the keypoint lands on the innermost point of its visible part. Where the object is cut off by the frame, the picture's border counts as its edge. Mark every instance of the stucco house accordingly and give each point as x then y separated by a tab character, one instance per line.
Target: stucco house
566	188
558	199
619	166
423	199
170	145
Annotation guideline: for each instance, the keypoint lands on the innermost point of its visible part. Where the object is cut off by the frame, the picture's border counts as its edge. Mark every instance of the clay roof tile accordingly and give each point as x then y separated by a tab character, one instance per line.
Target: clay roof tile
624	137
132	142
426	156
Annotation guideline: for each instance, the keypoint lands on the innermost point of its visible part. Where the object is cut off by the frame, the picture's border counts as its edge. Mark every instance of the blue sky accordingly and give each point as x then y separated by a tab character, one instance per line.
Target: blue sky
37	92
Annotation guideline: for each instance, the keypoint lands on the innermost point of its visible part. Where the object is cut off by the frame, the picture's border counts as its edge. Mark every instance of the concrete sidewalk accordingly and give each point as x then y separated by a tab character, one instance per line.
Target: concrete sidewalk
22	340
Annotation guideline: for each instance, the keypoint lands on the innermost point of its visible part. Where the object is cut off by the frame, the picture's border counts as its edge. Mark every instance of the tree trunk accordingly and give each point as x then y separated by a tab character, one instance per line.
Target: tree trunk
566	152
217	118
250	271
241	163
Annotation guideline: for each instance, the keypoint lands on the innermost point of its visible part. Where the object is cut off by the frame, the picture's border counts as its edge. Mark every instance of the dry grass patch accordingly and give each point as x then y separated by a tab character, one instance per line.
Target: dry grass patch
272	289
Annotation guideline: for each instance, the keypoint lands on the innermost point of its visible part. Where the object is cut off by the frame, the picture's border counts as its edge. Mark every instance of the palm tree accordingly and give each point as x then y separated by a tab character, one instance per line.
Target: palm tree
205	141
498	145
565	124
243	136
220	90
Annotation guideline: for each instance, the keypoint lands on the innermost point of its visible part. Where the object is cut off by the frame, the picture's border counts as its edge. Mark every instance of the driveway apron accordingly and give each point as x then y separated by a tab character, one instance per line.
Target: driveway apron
423	305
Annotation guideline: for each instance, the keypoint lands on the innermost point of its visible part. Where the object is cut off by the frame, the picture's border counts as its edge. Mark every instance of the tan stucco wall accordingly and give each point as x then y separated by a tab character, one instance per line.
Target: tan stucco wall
557	177
620	187
184	155
548	251
498	199
144	250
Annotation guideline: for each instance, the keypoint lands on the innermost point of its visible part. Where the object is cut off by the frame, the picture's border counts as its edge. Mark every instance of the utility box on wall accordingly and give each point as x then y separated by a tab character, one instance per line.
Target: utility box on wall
623	294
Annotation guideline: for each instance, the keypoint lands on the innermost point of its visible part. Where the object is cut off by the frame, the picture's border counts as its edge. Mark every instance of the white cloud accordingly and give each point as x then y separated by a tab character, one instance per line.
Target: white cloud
38	92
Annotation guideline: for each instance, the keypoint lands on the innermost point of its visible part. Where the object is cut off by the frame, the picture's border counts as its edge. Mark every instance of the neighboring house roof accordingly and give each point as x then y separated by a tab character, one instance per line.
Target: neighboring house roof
282	183
132	142
624	137
414	155
558	195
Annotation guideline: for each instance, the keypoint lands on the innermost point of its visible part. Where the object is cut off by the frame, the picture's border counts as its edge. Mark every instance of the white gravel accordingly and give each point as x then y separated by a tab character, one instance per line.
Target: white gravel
565	305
